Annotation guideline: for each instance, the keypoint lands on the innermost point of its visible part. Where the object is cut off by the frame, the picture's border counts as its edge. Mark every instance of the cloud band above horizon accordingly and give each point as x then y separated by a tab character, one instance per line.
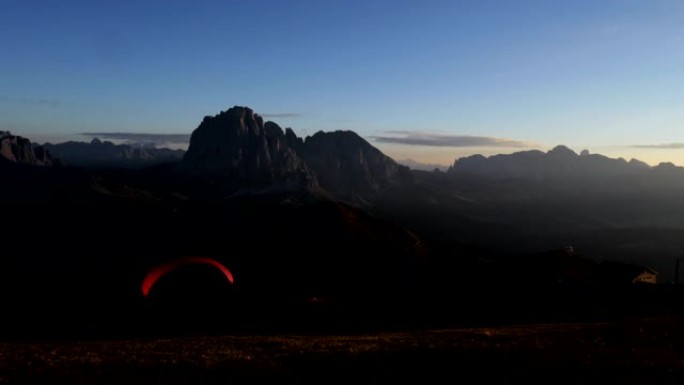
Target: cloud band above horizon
416	138
661	146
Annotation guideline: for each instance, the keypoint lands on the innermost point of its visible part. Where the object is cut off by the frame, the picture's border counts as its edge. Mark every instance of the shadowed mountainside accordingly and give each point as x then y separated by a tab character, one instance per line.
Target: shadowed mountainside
348	165
18	149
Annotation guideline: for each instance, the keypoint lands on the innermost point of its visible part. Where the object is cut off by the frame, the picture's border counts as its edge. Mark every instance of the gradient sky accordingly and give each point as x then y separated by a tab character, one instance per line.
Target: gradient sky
428	80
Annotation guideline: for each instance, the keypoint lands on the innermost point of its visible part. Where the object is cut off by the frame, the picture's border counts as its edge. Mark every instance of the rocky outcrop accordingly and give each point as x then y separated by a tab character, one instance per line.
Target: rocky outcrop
18	149
348	165
109	155
239	148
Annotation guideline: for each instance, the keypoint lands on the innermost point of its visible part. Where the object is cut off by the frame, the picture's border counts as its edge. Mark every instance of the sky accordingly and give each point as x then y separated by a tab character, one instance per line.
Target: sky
426	80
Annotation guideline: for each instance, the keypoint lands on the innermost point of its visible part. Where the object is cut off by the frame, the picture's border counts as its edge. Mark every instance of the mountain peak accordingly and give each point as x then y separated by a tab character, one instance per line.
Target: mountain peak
562	151
239	148
242	118
240	111
348	165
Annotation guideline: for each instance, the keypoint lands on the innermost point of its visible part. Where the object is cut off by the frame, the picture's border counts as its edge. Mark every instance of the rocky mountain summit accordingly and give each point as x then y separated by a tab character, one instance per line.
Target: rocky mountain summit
18	149
347	164
238	147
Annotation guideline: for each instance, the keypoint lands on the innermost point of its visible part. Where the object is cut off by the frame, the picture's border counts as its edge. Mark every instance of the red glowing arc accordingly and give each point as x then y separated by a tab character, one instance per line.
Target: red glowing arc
159	271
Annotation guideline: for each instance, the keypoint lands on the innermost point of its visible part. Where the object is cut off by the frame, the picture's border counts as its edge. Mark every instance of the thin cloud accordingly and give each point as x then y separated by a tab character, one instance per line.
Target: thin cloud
661	146
282	115
414	138
137	137
50	102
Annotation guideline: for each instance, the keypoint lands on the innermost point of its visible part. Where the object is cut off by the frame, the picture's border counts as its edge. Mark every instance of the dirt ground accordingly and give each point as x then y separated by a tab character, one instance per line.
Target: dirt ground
628	351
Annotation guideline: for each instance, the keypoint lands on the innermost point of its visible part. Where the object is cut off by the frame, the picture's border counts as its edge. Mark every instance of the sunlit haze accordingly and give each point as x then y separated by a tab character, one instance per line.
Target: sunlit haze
429	81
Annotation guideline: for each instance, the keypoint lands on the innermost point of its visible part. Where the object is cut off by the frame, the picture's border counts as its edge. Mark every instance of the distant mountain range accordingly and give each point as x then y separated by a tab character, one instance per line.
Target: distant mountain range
109	155
416	165
560	162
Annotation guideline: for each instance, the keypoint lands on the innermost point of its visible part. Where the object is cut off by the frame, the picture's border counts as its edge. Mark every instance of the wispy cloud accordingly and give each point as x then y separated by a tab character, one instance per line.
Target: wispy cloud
416	138
282	115
50	102
138	137
661	146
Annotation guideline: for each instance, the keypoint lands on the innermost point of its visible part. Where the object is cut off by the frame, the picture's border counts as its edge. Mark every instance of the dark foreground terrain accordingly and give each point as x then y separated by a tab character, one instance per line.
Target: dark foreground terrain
627	351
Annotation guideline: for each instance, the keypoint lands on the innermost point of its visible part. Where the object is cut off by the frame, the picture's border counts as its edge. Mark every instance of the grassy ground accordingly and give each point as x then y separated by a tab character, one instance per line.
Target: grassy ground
630	351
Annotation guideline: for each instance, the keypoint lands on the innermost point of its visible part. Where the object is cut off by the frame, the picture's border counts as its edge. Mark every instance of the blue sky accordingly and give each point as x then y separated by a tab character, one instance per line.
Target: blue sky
419	79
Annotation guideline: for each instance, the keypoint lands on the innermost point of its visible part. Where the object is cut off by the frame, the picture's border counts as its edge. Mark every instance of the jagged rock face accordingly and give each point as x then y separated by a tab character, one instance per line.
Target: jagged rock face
20	150
237	146
348	165
293	141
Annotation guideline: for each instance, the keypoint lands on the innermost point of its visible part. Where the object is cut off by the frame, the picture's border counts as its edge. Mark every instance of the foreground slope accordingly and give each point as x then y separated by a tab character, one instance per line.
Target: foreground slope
628	352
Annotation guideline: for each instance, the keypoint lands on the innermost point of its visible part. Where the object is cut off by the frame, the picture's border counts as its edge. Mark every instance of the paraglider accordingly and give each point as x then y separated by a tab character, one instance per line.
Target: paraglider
159	271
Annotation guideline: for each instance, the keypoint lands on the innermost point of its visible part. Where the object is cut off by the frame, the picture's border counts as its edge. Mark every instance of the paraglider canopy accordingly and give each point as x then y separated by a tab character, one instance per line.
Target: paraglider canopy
159	271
